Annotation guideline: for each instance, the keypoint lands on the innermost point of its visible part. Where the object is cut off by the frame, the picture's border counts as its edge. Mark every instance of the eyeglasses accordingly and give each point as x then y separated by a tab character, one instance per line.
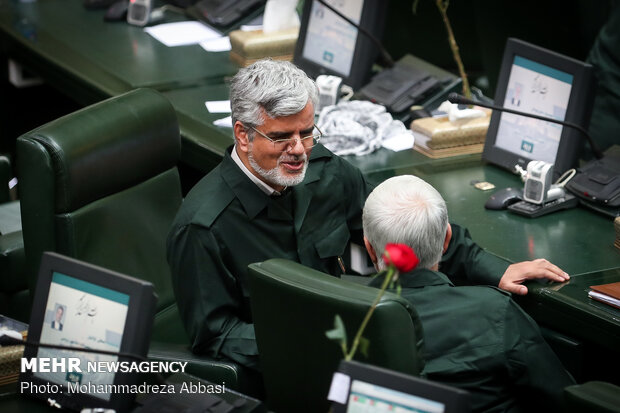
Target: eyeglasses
288	144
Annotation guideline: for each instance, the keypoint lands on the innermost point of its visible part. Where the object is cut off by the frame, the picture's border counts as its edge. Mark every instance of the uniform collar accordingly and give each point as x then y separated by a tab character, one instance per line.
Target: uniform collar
418	278
253	199
423	278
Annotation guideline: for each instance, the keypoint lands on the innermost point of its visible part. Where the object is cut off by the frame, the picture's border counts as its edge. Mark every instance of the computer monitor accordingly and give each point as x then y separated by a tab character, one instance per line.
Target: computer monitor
81	305
370	389
328	44
540	82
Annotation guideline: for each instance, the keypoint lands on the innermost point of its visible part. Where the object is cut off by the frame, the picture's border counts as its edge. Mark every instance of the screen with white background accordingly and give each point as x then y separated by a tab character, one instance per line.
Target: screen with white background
540	90
330	40
93	317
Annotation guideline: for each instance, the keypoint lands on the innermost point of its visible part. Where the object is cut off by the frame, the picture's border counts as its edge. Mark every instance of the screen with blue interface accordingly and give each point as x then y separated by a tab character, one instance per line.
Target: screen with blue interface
370	398
330	40
81	314
540	90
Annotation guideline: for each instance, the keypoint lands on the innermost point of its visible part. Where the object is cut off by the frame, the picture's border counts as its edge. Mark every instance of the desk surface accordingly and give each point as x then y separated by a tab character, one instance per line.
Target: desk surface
578	240
568	309
204	143
60	38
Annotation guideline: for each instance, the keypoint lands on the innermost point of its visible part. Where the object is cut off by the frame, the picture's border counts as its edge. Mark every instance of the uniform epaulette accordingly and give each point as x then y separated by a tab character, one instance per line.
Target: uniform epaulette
217	197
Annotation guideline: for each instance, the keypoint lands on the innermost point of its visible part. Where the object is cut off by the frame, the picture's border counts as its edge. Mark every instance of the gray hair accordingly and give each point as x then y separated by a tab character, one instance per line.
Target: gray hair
271	87
407	210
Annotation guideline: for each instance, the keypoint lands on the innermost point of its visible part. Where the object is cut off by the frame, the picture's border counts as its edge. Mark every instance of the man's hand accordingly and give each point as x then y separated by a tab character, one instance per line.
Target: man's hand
517	273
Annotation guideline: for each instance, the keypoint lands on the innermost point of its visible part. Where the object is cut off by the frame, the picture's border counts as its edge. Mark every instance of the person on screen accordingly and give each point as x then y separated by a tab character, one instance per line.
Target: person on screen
278	193
475	337
57	321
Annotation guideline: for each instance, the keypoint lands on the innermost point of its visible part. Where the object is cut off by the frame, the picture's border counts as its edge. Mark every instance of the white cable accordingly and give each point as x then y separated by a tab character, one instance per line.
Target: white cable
563	180
520	171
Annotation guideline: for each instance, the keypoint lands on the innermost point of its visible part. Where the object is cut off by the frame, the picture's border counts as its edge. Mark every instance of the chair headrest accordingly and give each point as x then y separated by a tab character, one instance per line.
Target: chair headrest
108	146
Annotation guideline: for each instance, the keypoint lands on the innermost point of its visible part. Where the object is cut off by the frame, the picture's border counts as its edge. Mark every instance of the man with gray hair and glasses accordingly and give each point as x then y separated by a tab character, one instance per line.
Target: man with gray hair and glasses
275	194
278	193
475	338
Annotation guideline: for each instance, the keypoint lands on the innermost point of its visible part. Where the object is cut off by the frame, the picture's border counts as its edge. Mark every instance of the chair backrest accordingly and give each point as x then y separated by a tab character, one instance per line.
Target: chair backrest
292	308
101	185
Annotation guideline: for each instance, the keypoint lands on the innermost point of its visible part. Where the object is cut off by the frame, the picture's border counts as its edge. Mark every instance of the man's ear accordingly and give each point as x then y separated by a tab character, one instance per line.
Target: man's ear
446	242
241	137
371	251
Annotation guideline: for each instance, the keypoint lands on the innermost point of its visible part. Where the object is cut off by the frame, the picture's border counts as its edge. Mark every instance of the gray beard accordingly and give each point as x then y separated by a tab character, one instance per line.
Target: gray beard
274	176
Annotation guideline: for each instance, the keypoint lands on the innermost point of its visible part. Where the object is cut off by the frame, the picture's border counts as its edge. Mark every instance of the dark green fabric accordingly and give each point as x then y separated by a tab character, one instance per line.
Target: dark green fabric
292	307
87	155
130	228
478	339
467	263
605	57
226	222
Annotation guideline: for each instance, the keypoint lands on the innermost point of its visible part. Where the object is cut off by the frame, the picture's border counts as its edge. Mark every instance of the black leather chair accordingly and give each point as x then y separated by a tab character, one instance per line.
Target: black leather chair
14	294
102	185
292	308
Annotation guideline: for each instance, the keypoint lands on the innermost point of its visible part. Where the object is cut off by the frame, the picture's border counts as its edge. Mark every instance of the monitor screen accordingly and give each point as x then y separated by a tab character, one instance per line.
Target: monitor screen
359	387
537	81
86	315
371	398
80	305
328	44
330	41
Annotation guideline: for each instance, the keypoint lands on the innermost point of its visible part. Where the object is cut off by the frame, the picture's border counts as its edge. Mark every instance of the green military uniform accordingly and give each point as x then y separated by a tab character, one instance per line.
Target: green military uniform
226	222
480	340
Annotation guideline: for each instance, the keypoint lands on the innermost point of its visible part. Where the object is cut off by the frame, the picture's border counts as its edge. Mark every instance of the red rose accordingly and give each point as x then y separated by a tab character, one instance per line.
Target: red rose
401	256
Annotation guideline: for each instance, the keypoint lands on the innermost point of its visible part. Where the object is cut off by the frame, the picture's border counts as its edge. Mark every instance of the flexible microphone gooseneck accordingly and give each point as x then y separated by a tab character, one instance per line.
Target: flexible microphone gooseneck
456	98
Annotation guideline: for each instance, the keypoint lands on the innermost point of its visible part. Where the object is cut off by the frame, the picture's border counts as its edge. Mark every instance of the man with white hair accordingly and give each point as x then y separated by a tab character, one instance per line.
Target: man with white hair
476	338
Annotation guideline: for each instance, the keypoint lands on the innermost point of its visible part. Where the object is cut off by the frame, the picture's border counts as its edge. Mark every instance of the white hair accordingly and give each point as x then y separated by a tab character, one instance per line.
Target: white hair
272	87
407	210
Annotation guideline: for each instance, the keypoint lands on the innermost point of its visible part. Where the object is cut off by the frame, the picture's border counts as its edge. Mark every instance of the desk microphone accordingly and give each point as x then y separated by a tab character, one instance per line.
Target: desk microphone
598	182
456	98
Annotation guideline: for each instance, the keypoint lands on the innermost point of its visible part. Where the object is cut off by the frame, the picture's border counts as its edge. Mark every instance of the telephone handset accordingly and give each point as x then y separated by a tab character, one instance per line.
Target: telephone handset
400	87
